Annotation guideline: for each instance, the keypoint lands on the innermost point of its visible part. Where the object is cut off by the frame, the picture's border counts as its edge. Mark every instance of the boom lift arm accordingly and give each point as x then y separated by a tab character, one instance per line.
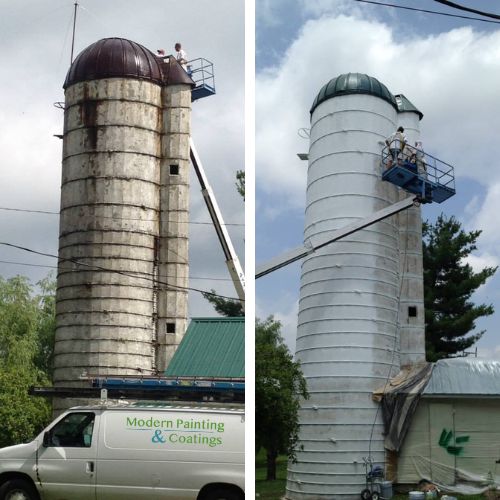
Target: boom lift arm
300	252
232	262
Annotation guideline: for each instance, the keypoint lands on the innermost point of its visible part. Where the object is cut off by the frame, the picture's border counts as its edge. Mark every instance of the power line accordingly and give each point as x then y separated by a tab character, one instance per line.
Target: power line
29	264
148	277
454	5
428	11
48	212
29	211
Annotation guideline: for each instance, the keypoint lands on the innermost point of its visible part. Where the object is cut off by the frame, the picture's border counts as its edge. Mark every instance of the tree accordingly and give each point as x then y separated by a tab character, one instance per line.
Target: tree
46	325
22	416
449	283
226	307
240	183
279	385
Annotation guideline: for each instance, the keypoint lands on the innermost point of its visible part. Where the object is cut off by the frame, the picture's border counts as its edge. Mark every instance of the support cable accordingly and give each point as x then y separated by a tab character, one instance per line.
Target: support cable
49	212
30	264
454	5
148	277
427	11
398	332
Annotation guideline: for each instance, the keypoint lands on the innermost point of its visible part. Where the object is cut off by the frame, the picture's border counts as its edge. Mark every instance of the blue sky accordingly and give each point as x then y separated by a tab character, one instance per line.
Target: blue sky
448	67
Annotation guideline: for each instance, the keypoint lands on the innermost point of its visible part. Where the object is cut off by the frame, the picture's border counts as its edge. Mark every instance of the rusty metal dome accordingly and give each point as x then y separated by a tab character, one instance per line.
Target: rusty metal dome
114	58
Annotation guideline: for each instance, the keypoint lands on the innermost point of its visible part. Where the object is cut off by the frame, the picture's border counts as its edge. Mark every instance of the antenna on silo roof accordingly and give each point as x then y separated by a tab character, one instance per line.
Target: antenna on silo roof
74	29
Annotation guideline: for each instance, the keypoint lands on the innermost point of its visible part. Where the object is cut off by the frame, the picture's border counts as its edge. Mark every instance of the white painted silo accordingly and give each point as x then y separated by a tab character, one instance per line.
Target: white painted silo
347	338
113	263
411	312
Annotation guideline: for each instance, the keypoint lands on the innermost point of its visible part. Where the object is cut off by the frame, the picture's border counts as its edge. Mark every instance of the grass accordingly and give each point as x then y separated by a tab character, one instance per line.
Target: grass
269	490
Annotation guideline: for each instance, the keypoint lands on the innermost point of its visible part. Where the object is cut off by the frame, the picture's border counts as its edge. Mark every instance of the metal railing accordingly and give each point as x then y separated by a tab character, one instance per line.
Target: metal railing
201	71
423	164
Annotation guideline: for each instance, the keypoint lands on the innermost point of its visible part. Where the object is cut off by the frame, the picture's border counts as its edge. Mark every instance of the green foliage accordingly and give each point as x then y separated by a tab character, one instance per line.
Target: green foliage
279	385
22	417
225	307
23	324
240	182
46	325
449	283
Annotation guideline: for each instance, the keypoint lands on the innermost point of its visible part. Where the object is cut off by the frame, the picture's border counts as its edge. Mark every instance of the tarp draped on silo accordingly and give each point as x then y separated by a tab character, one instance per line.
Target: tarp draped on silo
399	399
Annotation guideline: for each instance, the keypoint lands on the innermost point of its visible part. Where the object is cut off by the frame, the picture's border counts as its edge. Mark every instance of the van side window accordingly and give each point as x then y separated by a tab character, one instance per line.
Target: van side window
73	431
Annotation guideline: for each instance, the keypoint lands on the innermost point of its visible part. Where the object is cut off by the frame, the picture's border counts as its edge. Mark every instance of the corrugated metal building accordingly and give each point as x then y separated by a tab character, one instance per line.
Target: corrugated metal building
211	347
454	437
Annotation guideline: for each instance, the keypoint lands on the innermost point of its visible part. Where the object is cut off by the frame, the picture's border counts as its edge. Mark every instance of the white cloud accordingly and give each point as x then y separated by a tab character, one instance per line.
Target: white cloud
321	7
486	217
472	206
479	262
489	352
284	309
288	320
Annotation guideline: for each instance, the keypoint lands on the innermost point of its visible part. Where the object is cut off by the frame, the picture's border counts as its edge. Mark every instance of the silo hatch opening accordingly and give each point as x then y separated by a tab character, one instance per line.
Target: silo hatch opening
419	173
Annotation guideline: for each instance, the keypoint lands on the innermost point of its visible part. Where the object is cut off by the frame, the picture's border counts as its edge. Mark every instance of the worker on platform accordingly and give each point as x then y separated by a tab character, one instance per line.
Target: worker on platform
181	56
419	159
396	143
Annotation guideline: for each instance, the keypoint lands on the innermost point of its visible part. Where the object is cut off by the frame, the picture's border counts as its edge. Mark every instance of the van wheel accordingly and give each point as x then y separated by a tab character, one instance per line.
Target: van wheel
221	494
18	489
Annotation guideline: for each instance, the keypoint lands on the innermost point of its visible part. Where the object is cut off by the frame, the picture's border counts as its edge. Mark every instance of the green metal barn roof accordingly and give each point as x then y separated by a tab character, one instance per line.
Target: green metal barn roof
211	347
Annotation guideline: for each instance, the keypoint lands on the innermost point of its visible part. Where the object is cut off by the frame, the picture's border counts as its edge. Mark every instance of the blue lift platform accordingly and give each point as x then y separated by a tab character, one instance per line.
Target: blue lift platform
431	179
201	72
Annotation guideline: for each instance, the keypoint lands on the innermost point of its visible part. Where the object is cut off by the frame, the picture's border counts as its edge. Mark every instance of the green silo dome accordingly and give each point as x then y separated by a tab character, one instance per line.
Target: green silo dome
353	83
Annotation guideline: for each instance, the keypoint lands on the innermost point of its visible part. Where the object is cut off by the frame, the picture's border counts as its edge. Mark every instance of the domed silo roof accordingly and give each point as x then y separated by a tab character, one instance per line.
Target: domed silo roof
353	83
114	58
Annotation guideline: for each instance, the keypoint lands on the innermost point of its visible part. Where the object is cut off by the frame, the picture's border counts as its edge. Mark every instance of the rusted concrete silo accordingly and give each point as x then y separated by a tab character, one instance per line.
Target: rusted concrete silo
174	215
124	213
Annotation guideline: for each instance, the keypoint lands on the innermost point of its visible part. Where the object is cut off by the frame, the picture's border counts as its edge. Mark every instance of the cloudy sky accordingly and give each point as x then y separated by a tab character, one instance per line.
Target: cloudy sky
448	67
35	39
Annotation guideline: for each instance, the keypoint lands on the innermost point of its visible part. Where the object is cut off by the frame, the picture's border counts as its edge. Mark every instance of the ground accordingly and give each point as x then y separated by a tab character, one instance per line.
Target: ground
275	490
269	490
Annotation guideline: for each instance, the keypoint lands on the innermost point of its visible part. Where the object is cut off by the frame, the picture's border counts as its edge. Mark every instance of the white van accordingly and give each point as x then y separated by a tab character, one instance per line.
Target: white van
131	452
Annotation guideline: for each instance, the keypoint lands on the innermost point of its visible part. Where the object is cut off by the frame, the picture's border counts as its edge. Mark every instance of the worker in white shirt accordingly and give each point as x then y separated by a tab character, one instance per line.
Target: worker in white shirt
396	143
181	56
